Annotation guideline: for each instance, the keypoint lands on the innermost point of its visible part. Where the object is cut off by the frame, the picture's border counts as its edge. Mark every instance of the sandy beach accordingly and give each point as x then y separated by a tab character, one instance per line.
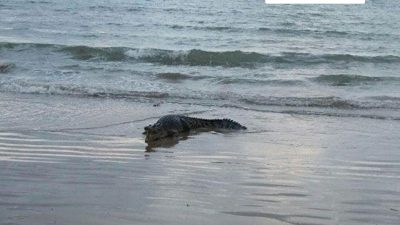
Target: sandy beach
66	164
317	86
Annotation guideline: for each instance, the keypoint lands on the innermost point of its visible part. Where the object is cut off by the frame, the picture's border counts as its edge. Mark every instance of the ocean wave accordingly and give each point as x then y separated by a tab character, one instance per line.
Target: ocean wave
219	28
320	102
135	9
197	57
106	54
328	33
19	46
304	31
238	58
307	59
279	82
101	8
25	87
40	2
347	80
378	107
179	76
386	98
205	28
173	76
333	102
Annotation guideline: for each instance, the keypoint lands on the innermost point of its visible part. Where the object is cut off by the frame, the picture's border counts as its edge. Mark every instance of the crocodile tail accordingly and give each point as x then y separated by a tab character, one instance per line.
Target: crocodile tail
228	124
220	124
195	123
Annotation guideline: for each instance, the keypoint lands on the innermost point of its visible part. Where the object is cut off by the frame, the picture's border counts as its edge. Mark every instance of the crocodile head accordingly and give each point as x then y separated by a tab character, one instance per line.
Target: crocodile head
155	133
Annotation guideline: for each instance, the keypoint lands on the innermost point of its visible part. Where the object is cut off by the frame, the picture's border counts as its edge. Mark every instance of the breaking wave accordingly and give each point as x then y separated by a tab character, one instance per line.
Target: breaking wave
333	102
197	57
76	90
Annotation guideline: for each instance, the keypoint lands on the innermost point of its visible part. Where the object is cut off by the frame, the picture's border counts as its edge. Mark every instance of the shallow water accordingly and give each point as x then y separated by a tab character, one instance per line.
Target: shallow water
82	168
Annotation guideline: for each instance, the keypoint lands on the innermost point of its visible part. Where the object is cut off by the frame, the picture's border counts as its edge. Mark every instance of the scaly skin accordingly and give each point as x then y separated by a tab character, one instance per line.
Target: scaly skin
172	125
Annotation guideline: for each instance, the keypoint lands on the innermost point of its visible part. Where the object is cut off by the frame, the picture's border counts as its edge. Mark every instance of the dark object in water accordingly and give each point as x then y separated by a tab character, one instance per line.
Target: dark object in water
5	67
173	125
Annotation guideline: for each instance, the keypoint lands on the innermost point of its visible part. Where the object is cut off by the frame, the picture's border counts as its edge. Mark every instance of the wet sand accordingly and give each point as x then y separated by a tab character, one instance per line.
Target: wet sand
69	160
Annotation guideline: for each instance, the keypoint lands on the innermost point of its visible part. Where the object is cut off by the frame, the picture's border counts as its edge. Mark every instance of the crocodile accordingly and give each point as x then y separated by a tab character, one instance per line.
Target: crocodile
173	125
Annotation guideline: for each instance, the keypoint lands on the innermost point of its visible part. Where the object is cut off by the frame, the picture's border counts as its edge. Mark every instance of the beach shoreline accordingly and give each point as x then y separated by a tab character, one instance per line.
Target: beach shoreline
317	87
91	166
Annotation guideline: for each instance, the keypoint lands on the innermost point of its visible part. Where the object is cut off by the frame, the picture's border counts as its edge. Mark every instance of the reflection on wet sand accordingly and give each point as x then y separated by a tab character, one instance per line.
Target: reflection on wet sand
165	142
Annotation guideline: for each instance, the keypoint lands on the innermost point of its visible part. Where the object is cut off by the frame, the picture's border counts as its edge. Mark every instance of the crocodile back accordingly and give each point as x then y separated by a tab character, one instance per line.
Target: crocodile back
170	122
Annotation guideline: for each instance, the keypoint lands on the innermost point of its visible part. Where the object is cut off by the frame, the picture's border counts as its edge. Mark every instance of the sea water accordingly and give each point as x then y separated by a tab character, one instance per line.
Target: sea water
319	59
